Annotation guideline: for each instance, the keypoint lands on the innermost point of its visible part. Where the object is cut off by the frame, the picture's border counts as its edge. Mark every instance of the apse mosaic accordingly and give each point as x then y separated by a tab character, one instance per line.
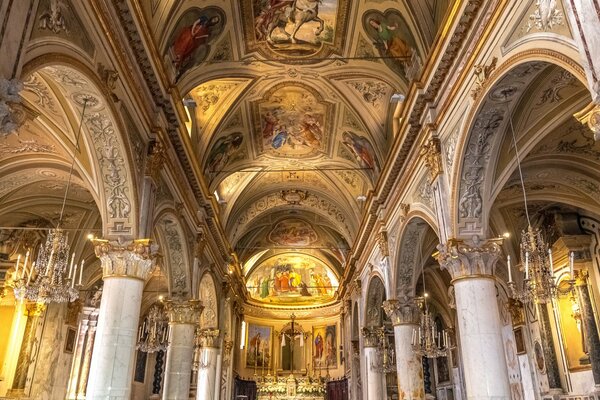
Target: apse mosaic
190	41
294	28
292	121
292	279
394	42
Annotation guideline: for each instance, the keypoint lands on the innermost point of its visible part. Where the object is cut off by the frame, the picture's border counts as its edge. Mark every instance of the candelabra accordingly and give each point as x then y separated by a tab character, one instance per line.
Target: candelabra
427	340
153	334
50	279
385	360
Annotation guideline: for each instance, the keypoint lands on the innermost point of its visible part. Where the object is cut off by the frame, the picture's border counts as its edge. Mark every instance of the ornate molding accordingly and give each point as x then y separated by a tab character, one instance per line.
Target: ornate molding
590	116
156	160
370	336
34	309
209	337
431	152
404	210
184	311
382	242
482	73
464	260
133	259
11	115
402	312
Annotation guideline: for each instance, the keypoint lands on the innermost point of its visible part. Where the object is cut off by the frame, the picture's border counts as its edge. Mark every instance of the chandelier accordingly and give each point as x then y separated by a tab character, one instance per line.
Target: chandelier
427	340
385	360
539	284
153	334
51	279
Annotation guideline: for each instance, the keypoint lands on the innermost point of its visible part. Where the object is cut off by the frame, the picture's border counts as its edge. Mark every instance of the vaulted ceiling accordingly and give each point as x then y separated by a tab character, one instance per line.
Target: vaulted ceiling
292	132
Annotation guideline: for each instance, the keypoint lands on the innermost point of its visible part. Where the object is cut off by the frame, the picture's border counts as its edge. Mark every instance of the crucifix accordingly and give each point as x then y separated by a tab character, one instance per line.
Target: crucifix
292	333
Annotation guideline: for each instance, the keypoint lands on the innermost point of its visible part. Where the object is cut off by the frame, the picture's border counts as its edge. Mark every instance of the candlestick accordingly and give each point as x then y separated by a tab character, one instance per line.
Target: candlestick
26	258
509	269
571	264
17	266
71	266
551	261
526	265
49	262
81	272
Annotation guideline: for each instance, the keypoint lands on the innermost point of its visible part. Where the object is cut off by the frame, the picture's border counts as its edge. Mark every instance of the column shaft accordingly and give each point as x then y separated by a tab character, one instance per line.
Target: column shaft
179	362
207	373
111	370
481	345
74	378
87	358
410	368
590	328
374	378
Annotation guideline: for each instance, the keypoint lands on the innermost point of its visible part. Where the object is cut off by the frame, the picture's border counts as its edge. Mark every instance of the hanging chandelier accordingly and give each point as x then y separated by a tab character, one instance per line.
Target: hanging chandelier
153	334
427	340
539	284
51	279
385	360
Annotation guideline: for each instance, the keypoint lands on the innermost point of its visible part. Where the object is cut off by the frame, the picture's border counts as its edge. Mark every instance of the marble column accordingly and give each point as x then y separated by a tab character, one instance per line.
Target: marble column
373	378
592	341
479	326
184	316
87	358
405	316
207	369
75	374
125	268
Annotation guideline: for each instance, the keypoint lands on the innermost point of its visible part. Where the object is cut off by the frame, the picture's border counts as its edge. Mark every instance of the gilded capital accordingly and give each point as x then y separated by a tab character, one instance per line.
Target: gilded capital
464	260
209	337
370	336
432	155
132	259
382	242
402	312
184	311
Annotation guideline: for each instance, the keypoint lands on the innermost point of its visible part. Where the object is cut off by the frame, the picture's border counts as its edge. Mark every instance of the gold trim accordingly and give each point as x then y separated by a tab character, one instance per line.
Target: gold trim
473	276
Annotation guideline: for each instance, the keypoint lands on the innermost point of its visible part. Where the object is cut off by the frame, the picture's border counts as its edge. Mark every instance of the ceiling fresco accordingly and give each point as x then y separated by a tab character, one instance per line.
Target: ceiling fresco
291	120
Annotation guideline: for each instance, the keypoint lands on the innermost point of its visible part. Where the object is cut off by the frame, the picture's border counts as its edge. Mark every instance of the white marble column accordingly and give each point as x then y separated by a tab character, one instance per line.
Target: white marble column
479	327
405	318
125	268
373	378
184	316
207	370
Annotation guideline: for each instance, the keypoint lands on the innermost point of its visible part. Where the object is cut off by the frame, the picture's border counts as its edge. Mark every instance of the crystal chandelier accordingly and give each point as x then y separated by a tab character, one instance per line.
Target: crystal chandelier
153	334
539	284
385	360
427	340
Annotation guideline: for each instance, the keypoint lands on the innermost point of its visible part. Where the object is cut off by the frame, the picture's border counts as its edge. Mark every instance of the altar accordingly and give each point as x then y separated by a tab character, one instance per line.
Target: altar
290	388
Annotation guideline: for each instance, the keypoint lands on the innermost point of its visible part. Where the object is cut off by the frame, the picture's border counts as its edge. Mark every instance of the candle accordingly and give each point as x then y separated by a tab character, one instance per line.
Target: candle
17	266
526	265
30	272
509	269
80	272
571	264
71	266
50	259
26	258
551	261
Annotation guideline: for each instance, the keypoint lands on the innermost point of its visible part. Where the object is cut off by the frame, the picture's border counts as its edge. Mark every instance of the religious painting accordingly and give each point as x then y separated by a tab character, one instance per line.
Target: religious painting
324	347
293	232
394	42
225	150
258	346
189	43
363	152
519	340
292	279
291	121
70	340
295	28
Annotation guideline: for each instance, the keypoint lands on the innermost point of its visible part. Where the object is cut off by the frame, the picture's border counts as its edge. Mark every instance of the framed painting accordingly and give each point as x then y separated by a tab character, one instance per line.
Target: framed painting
324	344
519	340
258	346
70	339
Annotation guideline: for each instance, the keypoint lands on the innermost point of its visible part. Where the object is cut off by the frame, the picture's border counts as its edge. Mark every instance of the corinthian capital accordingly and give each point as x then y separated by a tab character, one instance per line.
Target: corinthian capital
402	312
464	260
209	337
184	311
371	336
133	259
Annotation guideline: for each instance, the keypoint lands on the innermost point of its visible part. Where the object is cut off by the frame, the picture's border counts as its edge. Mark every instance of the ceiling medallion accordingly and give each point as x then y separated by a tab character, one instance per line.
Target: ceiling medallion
293	196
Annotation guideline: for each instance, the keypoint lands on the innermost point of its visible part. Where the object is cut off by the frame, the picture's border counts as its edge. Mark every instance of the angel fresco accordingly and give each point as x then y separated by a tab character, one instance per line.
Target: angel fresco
223	151
362	150
394	42
189	43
